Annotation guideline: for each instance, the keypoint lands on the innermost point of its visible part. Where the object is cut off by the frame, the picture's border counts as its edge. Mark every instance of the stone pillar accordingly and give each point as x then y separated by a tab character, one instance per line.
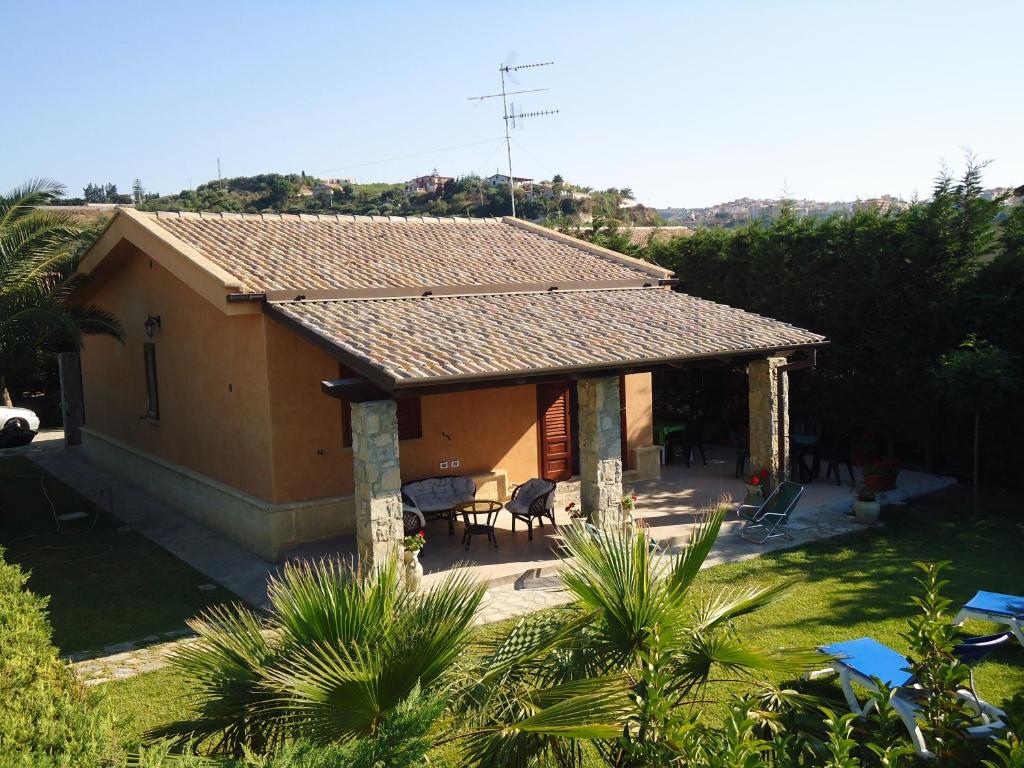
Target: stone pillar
765	408
378	481
72	402
600	449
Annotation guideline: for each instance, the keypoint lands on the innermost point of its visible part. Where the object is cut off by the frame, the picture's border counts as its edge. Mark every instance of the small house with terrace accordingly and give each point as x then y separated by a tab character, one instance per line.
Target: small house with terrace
283	375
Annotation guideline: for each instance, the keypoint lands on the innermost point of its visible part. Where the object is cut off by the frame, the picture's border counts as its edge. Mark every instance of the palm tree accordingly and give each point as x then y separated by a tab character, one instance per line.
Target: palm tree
38	257
634	661
339	653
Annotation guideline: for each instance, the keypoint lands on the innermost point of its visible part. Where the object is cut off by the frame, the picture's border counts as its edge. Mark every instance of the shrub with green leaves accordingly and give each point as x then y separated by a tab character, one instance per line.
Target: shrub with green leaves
46	716
341	654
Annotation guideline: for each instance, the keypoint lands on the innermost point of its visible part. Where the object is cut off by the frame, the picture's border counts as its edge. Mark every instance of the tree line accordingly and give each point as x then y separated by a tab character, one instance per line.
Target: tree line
923	309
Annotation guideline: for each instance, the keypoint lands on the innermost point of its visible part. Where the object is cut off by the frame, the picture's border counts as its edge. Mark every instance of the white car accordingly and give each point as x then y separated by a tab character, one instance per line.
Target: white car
17	426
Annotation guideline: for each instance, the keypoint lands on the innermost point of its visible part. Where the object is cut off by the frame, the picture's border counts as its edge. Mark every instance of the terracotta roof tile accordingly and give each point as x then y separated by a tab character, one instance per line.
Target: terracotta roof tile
439	337
283	252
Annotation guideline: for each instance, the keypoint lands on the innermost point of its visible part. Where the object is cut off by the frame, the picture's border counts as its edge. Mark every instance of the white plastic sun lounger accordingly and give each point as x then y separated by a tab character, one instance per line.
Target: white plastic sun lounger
861	661
1001	609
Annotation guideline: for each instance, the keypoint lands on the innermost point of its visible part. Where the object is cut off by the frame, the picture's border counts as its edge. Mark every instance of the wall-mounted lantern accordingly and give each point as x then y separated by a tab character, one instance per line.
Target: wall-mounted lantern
151	324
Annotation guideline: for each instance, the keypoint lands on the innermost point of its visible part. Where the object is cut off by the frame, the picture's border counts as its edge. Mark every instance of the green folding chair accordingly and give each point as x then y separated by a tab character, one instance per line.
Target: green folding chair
768	521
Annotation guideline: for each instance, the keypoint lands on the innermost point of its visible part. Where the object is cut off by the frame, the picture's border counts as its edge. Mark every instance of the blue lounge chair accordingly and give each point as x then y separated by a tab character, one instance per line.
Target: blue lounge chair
864	660
994	607
769	520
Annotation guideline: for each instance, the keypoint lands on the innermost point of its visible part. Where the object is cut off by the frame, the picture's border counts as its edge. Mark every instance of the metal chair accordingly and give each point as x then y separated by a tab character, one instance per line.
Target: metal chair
772	515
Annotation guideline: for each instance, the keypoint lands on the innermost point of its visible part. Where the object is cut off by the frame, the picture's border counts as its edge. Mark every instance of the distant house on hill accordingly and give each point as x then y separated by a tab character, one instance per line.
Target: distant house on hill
500	178
426	184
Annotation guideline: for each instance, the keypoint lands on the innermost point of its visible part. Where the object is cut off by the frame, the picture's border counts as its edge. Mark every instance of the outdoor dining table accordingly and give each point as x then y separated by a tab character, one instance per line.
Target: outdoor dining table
472	512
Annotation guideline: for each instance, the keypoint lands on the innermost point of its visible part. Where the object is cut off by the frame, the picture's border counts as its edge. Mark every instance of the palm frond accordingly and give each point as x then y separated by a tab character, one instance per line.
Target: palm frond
22	201
225	668
687	565
732	603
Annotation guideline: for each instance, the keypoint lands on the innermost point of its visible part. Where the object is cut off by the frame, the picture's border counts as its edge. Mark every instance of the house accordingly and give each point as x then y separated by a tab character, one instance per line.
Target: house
499	179
282	375
428	184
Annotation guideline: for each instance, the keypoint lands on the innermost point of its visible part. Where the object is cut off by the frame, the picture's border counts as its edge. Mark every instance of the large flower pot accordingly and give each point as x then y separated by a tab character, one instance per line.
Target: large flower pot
866	512
413	570
754	495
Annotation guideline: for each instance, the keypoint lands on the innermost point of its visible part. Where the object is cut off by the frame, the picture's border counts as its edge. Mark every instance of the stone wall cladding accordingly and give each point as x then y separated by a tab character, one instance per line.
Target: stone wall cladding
763	379
378	481
600	449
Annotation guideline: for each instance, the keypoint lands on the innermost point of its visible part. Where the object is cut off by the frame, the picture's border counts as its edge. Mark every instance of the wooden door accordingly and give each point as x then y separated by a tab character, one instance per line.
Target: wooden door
554	426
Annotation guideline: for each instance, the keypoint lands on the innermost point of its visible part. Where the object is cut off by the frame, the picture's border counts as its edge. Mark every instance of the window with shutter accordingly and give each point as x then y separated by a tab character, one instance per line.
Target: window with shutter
410	420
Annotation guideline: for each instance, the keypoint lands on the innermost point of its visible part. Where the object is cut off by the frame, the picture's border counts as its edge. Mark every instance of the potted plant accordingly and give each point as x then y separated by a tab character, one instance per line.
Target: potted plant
413	568
867	507
628	507
880	475
577	516
755	486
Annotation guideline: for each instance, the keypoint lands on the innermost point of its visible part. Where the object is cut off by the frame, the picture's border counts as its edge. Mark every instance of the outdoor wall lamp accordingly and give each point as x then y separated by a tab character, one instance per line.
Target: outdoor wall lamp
151	324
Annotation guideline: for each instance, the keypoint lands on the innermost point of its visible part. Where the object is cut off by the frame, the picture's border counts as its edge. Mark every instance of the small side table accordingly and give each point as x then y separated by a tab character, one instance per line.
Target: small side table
479	517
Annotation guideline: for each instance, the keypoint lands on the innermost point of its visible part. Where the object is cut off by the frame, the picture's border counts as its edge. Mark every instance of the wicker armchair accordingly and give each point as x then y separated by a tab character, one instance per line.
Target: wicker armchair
533	500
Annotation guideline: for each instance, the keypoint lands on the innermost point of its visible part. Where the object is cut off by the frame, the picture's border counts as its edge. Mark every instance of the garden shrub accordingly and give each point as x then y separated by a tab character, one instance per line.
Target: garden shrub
46	716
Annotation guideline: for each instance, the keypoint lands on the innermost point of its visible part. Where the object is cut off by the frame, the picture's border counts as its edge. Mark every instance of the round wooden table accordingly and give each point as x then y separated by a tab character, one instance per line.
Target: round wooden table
479	517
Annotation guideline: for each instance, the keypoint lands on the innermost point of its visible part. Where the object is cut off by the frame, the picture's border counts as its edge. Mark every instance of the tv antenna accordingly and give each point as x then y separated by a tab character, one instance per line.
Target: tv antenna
509	114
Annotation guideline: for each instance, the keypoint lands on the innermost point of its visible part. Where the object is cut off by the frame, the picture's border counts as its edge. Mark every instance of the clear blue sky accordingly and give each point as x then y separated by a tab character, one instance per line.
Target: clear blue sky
689	103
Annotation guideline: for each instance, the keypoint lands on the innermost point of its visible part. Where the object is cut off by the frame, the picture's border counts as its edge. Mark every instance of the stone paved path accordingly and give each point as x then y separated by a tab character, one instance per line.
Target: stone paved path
118	662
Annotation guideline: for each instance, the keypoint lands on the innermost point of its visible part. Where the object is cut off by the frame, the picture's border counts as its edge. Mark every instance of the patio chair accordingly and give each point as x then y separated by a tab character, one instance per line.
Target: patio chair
689	439
742	443
770	518
866	660
533	500
997	608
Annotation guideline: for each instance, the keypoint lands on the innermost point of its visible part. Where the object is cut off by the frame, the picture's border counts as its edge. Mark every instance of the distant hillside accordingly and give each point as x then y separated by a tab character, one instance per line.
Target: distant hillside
553	201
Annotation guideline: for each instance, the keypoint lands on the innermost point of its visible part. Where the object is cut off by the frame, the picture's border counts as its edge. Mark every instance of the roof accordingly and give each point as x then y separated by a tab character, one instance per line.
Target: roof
642	236
281	252
411	301
411	340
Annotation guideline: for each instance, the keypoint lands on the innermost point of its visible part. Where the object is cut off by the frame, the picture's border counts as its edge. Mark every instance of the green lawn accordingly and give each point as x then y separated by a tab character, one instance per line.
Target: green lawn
105	585
849	587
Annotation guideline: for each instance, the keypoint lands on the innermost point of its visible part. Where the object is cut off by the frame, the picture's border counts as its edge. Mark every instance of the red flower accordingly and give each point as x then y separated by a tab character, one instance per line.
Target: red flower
633	498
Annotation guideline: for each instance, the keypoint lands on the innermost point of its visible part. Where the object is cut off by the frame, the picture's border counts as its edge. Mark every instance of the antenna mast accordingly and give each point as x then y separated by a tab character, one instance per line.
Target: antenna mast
509	116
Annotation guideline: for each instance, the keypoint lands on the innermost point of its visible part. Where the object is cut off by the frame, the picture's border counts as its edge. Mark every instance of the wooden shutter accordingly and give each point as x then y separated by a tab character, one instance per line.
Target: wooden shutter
553	423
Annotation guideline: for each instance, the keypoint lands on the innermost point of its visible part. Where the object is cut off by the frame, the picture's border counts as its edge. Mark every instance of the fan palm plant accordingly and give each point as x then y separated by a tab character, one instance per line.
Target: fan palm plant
629	670
338	654
38	256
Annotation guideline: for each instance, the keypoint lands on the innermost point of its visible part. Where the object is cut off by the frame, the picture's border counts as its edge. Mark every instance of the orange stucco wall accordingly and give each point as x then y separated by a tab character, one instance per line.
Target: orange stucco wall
639	413
240	398
482	429
211	372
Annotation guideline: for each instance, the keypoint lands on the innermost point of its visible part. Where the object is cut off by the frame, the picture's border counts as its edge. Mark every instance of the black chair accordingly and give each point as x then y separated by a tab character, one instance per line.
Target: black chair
742	443
689	439
532	501
835	451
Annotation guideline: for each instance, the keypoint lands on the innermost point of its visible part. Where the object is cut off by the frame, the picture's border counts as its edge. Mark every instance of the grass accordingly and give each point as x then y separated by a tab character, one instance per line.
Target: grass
106	584
845	588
